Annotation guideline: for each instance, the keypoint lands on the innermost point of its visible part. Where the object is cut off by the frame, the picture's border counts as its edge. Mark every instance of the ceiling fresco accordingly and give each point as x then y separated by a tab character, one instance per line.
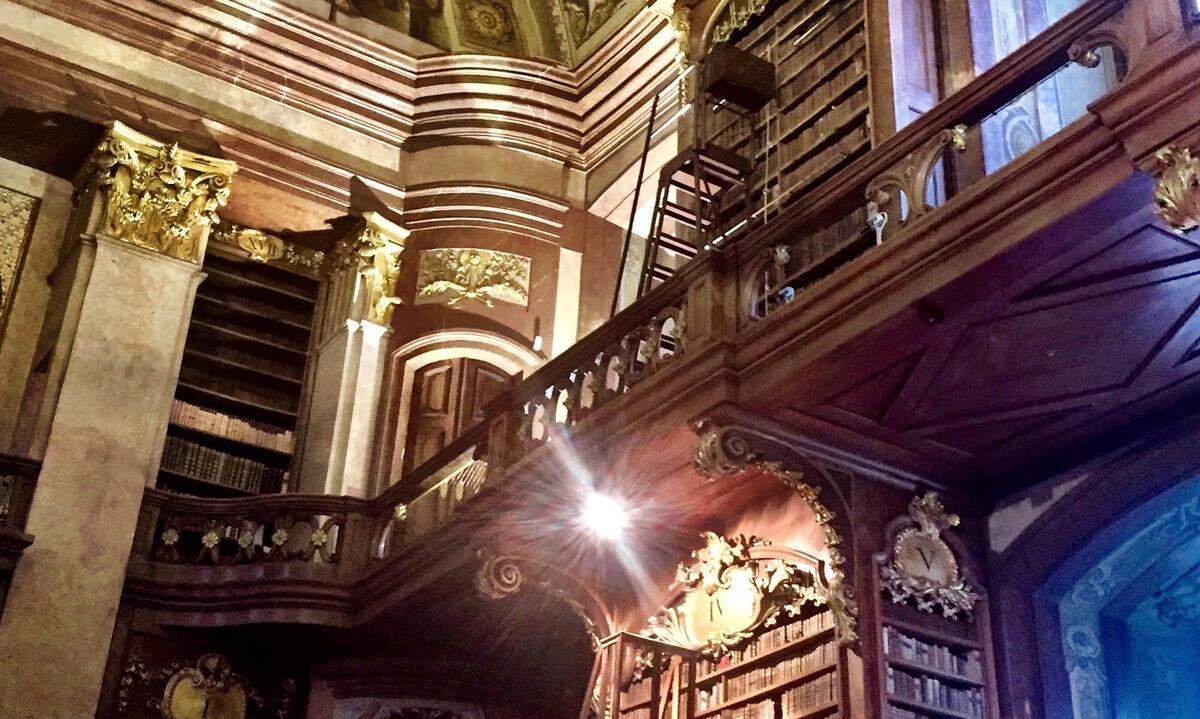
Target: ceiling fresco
564	31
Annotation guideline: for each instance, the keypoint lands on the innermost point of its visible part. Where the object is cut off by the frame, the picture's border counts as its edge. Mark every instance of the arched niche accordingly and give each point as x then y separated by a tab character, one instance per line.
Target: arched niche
407	360
1119	619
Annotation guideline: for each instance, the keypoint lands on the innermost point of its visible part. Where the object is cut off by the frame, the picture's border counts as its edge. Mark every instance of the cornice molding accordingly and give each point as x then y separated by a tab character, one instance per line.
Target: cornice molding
386	94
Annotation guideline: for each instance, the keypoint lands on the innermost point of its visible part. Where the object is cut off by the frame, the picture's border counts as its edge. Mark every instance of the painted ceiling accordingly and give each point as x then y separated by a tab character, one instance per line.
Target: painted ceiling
563	31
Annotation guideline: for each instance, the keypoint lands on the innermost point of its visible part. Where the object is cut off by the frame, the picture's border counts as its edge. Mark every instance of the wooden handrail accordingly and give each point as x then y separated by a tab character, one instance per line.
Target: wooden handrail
413	483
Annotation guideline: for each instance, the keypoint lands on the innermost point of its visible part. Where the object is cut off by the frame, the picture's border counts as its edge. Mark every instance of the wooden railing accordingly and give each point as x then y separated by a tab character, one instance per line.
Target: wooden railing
286	528
862	205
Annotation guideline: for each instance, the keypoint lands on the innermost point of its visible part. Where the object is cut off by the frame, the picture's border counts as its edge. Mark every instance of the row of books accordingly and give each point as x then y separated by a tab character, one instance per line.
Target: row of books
753	680
770	641
189	415
764	709
802	700
965	663
927	690
206	463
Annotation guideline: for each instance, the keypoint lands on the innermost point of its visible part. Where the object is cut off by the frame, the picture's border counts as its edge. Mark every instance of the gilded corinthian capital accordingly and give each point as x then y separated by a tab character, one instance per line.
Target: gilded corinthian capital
153	195
374	247
1178	191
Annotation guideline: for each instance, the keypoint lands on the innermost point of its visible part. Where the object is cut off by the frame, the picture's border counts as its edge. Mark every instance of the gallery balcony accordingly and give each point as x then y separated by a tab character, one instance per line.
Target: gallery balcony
871	321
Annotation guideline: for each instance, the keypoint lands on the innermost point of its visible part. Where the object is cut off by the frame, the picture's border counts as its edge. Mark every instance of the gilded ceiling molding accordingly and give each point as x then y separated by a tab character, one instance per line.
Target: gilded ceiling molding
374	248
266	248
502	576
722	453
154	195
1178	192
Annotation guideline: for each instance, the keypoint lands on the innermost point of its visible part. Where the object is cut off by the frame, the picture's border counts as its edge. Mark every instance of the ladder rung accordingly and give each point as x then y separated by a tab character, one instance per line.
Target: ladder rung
676	244
683	214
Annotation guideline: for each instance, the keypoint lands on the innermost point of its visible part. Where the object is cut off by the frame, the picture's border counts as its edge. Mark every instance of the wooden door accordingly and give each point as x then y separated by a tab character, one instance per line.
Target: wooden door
448	398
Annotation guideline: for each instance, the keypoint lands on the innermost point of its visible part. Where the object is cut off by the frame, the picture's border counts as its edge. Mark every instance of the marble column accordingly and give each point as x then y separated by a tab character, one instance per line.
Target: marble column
144	213
352	339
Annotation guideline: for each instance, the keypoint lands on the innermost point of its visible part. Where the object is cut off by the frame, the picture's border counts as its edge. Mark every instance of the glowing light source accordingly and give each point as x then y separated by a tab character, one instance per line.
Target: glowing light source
605	516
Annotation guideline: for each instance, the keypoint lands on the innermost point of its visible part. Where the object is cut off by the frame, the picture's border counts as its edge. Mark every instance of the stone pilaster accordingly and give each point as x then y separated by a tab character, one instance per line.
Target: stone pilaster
144	213
352	332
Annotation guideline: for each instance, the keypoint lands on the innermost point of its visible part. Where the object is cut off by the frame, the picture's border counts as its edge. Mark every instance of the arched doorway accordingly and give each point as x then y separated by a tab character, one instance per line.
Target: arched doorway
1119	620
448	398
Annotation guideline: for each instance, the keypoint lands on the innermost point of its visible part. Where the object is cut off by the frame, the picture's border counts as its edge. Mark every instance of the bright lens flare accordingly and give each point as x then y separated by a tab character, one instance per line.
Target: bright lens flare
605	516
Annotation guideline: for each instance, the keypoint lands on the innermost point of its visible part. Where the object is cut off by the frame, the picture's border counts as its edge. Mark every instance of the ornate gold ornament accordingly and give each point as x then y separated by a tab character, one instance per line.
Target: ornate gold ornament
375	248
267	248
210	690
922	567
585	17
730	589
16	220
1178	192
156	196
720	452
499	577
737	16
490	21
451	276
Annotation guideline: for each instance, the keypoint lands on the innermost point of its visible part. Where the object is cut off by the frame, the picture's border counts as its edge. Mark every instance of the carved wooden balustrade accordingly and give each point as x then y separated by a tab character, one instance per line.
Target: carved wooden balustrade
178	529
904	182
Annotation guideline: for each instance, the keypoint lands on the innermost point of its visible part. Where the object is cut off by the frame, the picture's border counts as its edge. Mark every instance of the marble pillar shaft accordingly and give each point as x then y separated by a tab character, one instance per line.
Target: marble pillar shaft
104	448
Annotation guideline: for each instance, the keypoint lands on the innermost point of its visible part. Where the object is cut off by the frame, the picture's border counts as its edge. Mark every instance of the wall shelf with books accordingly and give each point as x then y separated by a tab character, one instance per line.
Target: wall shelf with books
239	390
818	122
792	670
933	630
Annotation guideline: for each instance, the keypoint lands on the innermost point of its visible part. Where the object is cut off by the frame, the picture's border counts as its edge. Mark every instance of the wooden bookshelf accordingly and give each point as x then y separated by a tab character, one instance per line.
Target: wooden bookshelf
818	123
931	666
793	670
240	383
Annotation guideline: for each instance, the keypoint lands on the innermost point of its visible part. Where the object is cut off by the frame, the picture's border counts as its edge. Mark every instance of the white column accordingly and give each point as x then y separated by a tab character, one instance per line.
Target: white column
110	421
566	300
356	313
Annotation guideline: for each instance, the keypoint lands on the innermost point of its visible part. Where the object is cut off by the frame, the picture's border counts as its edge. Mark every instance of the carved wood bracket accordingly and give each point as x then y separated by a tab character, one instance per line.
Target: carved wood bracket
500	576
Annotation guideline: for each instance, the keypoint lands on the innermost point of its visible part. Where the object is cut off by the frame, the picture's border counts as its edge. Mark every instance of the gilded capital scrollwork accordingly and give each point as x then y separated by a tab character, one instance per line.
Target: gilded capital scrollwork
154	195
375	248
1178	192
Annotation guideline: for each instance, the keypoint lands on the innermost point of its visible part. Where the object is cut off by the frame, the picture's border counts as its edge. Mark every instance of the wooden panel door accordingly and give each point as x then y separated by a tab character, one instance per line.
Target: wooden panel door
448	398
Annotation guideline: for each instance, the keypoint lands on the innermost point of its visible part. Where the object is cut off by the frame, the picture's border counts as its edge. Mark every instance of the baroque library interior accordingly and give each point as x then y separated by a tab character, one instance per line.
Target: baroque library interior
599	359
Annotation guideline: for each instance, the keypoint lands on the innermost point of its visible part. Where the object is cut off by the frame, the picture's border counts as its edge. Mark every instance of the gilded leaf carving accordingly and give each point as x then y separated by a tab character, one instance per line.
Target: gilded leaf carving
452	276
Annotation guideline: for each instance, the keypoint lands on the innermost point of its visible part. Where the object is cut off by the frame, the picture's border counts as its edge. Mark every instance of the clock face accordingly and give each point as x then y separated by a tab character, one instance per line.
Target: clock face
924	557
731	607
186	698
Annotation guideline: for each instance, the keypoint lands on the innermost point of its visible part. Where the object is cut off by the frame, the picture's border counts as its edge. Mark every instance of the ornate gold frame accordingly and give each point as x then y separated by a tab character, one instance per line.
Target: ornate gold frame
953	598
720	453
